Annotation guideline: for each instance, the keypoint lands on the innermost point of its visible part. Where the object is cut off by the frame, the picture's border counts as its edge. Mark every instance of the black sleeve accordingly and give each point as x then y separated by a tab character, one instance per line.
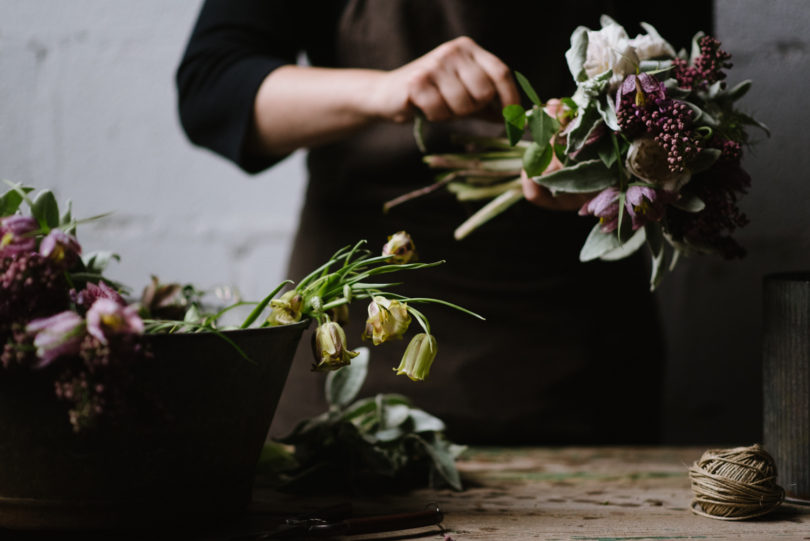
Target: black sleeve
235	44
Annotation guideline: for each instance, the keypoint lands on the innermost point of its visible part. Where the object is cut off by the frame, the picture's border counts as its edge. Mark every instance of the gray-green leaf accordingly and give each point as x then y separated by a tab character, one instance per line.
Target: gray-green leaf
584	177
689	203
704	160
576	54
425	422
343	385
627	249
598	244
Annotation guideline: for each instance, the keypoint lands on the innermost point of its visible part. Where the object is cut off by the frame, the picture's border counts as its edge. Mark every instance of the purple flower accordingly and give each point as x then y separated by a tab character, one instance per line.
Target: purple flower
604	206
17	235
56	336
92	292
645	204
642	87
60	247
107	318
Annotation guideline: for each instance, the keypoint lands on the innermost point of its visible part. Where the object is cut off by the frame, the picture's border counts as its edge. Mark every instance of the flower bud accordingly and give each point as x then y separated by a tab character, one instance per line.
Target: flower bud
330	348
418	357
286	310
388	319
57	335
647	160
400	248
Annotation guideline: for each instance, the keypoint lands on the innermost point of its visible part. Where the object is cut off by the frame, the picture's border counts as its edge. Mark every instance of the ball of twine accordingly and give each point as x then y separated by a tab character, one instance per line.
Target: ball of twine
735	484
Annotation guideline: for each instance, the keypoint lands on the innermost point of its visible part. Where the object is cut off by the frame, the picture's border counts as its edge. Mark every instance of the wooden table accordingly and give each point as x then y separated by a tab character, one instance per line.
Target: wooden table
562	494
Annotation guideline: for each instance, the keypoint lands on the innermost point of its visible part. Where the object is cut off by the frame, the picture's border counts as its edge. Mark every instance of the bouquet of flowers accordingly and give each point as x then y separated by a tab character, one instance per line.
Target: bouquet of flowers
651	137
59	314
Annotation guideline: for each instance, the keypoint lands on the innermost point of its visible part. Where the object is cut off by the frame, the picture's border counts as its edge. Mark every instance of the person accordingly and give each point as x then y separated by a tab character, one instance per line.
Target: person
570	352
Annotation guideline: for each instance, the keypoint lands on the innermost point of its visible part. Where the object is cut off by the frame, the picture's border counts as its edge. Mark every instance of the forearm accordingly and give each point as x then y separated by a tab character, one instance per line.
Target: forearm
306	106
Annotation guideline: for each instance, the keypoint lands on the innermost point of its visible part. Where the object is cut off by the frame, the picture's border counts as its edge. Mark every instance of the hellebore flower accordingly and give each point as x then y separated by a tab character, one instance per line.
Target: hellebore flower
60	247
17	235
418	357
287	309
57	335
388	319
400	248
646	204
330	348
647	160
107	318
604	206
610	49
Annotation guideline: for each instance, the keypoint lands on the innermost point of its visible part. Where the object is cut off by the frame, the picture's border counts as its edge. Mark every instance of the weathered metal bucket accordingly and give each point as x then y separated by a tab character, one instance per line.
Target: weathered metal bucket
194	460
786	377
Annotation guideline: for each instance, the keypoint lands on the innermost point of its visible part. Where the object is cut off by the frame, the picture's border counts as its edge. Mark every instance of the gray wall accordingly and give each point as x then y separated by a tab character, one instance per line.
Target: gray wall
712	309
87	108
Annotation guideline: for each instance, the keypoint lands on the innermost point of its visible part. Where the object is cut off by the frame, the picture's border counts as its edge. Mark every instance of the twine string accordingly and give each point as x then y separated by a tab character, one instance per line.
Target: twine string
735	484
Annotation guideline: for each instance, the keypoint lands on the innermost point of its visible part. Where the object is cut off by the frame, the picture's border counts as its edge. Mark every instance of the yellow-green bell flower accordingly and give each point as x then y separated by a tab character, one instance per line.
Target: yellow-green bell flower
400	248
330	348
388	319
286	309
418	357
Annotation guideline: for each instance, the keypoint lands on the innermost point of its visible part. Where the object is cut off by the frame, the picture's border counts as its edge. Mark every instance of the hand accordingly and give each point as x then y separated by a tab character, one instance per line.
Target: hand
456	79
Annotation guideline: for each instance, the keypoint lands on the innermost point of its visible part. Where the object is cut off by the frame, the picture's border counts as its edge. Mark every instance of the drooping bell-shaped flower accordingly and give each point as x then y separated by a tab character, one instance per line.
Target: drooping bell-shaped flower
60	247
604	206
645	204
418	357
330	348
400	248
286	309
56	336
17	235
107	318
388	319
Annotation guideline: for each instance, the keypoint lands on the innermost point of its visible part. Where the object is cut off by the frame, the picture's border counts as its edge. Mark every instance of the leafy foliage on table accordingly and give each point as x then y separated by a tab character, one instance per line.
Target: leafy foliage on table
374	443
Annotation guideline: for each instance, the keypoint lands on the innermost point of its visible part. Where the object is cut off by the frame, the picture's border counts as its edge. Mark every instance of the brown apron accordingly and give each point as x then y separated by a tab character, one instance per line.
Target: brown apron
570	352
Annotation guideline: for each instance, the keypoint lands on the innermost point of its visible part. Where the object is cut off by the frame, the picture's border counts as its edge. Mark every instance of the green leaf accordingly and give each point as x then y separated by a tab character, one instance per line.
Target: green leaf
97	262
656	244
344	384
689	203
425	422
695	47
515	117
701	116
571	104
528	89
45	209
9	203
607	110
576	54
542	126
537	158
704	160
584	177
394	414
739	90
598	244
627	249
607	153
745	119
583	125
443	459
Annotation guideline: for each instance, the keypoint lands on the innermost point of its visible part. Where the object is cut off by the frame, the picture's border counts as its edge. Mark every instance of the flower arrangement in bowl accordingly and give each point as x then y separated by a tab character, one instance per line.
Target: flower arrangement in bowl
651	139
121	413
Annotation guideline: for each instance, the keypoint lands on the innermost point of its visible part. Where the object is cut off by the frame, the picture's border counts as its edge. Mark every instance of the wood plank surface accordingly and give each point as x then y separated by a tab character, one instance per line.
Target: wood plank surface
582	494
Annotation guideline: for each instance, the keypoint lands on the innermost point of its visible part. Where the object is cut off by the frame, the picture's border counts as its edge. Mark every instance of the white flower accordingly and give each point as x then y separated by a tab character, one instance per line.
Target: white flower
610	49
651	44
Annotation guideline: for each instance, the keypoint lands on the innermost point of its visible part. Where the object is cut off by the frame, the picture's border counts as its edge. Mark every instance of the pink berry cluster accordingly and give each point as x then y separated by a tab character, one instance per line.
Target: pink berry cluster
707	68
